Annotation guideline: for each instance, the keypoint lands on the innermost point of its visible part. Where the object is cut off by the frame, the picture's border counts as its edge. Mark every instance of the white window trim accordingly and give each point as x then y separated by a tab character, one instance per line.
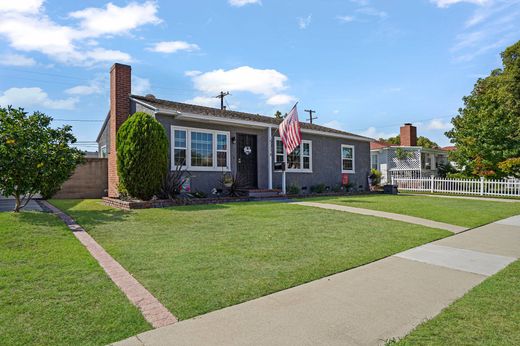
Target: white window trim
101	151
188	165
353	170
295	170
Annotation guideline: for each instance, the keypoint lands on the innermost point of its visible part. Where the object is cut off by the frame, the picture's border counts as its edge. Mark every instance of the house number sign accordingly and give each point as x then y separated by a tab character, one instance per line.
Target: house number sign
247	150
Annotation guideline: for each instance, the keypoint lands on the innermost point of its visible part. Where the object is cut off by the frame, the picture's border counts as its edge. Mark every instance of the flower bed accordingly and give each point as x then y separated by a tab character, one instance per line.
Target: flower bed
163	203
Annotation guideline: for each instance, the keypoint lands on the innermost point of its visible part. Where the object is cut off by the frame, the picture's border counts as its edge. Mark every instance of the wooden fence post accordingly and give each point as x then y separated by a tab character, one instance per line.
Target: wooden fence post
482	186
431	184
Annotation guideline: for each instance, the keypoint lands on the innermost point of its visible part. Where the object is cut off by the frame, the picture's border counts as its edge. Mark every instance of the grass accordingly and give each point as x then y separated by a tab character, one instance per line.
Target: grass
196	259
461	212
487	315
52	292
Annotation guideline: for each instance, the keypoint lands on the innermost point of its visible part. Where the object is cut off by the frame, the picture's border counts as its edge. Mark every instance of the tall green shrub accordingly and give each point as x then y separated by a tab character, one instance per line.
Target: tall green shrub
142	156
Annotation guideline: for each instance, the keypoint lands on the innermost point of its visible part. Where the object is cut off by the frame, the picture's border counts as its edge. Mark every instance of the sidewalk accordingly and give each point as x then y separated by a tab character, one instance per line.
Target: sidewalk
386	215
363	306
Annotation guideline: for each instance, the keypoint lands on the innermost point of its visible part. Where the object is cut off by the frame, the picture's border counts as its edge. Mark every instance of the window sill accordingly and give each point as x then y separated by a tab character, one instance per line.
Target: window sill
296	171
204	169
350	172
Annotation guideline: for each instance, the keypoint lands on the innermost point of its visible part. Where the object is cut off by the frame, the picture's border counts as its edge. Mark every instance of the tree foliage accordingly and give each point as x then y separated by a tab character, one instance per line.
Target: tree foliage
421	141
487	129
34	158
142	156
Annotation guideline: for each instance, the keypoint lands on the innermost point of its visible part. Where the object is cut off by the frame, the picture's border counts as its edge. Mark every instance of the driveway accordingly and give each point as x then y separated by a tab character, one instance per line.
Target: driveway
7	204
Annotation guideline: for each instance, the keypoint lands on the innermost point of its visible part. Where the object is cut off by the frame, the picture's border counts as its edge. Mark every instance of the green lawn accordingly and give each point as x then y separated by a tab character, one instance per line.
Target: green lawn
461	212
487	315
52	292
197	259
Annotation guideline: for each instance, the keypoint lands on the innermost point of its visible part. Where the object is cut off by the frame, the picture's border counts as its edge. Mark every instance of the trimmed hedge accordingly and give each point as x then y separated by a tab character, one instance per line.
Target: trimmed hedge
142	156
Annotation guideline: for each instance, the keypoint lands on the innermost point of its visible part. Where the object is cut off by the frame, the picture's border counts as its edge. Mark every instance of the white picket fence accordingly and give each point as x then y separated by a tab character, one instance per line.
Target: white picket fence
480	187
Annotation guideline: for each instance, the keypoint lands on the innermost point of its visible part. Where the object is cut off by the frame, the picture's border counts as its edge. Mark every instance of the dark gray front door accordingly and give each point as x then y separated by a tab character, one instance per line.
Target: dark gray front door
246	160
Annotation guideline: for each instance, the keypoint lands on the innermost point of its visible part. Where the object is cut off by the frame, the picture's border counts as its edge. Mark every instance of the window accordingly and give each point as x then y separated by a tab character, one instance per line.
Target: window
300	160
222	149
374	164
201	149
103	151
198	149
180	146
347	158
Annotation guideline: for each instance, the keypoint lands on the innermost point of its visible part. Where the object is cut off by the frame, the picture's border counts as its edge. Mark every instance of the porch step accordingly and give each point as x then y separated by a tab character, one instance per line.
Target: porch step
264	192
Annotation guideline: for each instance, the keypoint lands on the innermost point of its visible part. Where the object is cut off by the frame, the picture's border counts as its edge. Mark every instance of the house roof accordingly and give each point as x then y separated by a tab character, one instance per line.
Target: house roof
449	148
379	144
161	105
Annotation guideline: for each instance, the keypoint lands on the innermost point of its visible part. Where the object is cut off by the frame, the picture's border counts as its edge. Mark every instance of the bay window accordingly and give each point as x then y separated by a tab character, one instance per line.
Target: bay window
200	149
300	160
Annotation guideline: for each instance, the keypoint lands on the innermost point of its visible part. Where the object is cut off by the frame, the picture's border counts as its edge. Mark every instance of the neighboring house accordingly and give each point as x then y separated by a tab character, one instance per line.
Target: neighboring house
211	142
406	160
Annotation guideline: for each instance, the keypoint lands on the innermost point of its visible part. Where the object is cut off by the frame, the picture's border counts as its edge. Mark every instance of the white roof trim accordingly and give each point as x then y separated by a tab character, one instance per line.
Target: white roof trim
145	104
250	123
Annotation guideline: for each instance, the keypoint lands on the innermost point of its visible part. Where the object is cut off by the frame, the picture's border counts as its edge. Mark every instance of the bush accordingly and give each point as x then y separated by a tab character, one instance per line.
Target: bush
444	169
375	177
293	190
142	156
320	188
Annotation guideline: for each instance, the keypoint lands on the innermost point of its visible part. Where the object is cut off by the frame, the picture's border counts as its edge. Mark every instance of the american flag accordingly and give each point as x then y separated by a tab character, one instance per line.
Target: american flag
290	131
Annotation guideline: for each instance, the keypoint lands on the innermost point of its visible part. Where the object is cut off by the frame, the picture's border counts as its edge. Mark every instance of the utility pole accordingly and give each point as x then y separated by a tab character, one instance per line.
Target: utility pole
221	97
311	118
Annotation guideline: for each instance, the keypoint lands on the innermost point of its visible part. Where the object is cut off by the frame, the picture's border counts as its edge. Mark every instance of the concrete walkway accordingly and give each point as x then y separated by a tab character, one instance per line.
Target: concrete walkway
488	199
363	306
386	215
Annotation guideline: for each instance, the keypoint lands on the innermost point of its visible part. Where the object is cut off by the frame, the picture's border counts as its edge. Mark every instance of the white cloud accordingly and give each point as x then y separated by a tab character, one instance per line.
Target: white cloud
28	28
34	97
140	86
490	28
447	3
192	73
346	19
438	124
114	19
206	101
334	124
370	11
372	132
16	60
240	3
21	6
83	90
304	22
280	99
261	82
173	47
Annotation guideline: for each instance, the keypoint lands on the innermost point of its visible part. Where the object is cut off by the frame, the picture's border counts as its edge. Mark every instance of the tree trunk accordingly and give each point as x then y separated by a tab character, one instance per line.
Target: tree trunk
17	205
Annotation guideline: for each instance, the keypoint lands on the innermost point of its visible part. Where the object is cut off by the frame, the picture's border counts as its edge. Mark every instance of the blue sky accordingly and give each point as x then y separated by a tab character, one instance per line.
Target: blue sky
365	66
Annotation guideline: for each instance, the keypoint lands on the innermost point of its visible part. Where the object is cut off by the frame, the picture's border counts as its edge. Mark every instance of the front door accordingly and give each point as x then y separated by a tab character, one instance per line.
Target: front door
246	160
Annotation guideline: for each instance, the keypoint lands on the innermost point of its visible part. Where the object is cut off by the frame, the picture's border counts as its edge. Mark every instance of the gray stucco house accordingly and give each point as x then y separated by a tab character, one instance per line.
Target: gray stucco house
212	142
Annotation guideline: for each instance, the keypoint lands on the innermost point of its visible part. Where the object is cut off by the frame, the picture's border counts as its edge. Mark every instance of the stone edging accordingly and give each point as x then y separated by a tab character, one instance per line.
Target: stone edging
151	308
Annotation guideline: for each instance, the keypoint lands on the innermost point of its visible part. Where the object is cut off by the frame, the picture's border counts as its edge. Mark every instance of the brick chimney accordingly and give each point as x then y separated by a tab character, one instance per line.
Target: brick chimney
120	90
408	135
